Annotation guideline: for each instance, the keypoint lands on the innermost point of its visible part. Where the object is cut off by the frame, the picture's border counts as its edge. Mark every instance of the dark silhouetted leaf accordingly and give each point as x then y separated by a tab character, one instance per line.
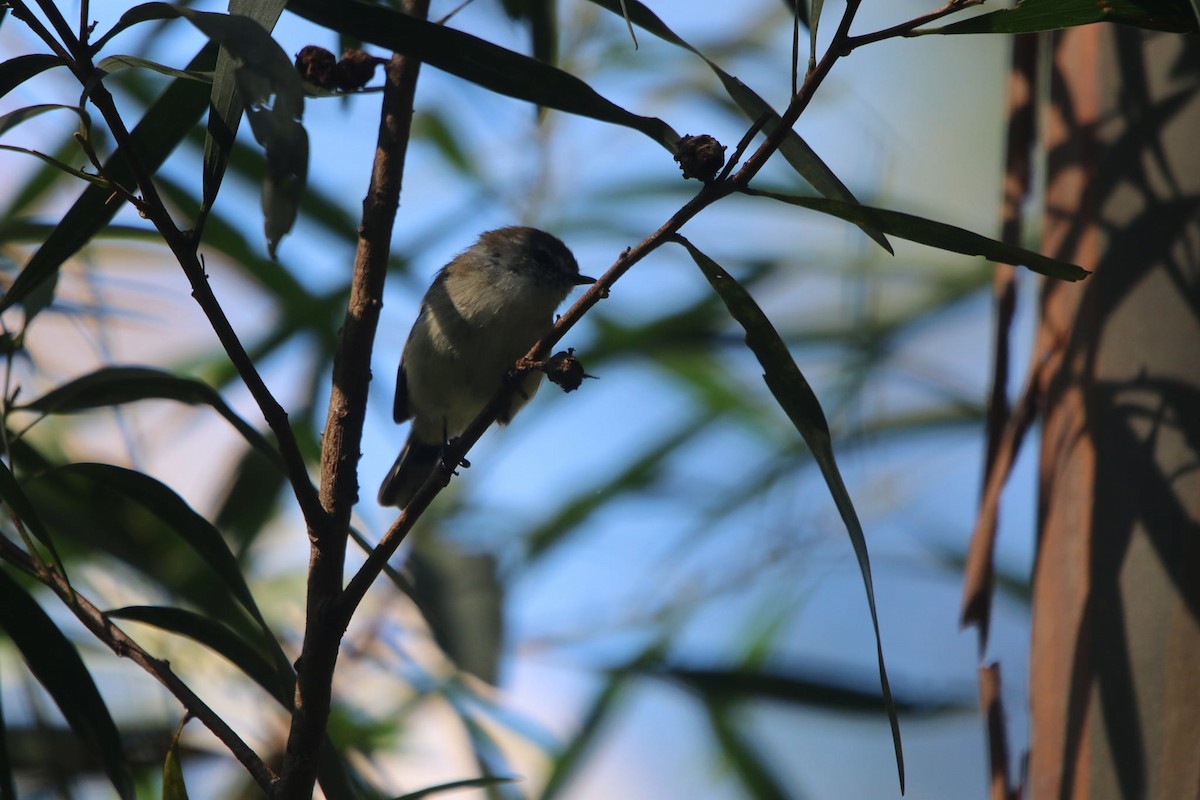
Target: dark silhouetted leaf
794	149
56	664
110	386
478	61
216	637
24	513
799	402
15	71
1046	15
934	234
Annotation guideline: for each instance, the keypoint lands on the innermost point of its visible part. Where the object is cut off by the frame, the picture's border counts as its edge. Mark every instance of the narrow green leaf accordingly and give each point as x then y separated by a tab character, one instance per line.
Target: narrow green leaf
799	402
934	234
14	118
174	787
802	158
217	637
1031	16
110	386
751	768
155	497
449	787
161	128
56	664
113	64
15	71
481	62
95	180
23	511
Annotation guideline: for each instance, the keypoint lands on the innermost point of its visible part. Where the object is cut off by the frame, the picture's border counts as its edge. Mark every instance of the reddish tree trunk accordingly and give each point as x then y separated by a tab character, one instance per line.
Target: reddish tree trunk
1115	673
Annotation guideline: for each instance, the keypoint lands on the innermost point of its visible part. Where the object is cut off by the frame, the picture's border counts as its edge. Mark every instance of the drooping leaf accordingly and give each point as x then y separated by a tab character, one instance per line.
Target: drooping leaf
14	118
120	500
793	148
15	71
797	399
110	386
225	112
174	787
56	664
477	61
934	234
1031	16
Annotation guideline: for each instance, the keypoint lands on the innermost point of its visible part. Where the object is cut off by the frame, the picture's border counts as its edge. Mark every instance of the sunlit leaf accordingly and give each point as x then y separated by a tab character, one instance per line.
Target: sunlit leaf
800	403
56	664
174	787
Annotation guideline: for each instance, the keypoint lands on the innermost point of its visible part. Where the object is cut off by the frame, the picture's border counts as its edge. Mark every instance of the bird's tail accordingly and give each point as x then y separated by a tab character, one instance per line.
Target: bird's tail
413	467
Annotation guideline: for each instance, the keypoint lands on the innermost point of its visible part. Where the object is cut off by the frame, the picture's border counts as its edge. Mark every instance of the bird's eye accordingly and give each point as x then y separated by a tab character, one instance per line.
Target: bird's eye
544	260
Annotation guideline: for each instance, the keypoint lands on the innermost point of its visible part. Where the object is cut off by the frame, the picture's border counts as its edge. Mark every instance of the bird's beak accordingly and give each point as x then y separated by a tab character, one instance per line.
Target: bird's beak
583	280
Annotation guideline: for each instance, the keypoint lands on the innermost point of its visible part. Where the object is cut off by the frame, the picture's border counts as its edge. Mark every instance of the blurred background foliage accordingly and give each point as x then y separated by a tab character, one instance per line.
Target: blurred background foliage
638	590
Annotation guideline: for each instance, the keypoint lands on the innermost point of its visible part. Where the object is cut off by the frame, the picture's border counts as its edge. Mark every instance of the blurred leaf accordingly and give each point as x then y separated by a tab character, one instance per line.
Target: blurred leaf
461	597
449	787
15	71
831	689
934	234
110	386
1047	15
252	498
743	756
794	149
56	664
154	138
570	761
173	786
24	513
8	789
216	637
798	401
478	61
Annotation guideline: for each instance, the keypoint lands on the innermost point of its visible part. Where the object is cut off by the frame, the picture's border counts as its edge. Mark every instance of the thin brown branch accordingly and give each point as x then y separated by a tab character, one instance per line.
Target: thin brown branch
909	28
342	438
124	646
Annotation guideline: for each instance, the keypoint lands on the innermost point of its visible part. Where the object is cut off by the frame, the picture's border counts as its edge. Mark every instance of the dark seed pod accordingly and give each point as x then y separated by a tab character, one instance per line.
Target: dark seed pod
700	157
354	70
316	65
565	370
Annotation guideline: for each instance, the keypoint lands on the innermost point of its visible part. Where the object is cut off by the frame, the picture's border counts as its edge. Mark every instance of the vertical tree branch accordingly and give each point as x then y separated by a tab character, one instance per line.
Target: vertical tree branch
342	437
